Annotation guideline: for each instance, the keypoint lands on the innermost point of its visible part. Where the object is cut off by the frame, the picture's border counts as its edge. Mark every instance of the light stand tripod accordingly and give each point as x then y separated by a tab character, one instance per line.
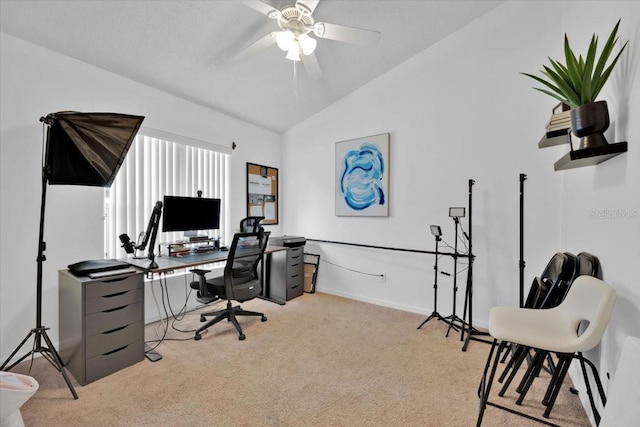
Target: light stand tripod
453	318
47	351
468	299
435	230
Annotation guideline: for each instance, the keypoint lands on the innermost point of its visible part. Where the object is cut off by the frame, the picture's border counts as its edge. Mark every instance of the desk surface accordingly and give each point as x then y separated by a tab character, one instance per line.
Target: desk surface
166	263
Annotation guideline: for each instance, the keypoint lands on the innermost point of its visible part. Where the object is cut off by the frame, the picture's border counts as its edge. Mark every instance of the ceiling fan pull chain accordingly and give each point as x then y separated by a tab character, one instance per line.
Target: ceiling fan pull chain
295	78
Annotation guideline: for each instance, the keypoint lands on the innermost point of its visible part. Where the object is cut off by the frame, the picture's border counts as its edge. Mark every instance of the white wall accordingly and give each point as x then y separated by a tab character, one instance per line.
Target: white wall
35	82
461	110
457	111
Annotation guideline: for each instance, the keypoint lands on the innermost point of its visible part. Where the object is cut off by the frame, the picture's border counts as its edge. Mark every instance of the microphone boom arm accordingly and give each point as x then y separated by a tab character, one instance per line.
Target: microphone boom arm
152	228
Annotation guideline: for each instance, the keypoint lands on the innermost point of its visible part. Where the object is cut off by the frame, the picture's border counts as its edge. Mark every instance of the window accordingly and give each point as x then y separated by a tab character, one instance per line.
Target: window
159	164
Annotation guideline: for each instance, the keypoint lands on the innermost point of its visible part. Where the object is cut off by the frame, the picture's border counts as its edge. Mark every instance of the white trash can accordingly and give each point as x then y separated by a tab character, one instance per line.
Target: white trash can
15	390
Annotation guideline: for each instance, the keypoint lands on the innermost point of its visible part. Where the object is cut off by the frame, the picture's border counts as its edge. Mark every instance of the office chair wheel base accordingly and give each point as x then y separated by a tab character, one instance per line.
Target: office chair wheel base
203	319
263	319
241	337
197	337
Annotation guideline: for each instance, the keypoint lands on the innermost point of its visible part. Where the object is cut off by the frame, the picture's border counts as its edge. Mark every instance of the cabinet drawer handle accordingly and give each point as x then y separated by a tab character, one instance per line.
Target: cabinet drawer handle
115	309
115	330
114	295
119	279
115	351
295	275
295	265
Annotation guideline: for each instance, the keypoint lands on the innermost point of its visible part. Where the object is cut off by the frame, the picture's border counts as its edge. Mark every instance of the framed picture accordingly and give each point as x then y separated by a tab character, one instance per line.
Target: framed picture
362	176
262	192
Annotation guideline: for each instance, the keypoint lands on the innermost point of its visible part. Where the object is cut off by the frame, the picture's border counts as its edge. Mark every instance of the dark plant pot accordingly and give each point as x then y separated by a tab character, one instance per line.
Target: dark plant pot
589	122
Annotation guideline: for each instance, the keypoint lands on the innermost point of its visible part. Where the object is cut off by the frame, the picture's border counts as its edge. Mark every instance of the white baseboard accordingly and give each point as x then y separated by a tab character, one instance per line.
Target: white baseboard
389	304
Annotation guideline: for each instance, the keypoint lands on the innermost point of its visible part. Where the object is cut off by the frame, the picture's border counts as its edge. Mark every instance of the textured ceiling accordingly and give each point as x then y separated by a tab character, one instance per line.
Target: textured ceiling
187	48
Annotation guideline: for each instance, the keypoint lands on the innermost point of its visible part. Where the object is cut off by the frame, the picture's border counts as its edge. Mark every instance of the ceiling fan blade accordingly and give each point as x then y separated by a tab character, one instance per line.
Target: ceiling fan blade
311	66
261	7
308	4
257	47
346	34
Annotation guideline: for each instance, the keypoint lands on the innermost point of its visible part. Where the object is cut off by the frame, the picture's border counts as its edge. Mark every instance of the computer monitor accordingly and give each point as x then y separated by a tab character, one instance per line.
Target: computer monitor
190	214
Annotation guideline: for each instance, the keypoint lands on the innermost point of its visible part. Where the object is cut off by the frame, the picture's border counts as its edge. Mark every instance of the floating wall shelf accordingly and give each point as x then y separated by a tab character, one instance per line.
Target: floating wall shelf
558	132
590	156
556	137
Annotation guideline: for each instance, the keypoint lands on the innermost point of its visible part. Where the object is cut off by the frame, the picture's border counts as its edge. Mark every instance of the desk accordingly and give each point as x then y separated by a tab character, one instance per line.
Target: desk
167	264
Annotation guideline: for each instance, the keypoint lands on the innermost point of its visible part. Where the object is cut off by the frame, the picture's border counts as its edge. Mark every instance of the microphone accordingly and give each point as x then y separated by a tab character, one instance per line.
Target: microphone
127	244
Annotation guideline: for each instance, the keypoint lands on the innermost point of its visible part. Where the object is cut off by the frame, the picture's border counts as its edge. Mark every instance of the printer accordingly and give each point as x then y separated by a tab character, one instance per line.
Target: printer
287	241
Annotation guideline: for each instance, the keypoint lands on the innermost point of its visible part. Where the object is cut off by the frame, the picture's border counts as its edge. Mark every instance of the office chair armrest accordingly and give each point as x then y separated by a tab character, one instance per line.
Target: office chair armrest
199	271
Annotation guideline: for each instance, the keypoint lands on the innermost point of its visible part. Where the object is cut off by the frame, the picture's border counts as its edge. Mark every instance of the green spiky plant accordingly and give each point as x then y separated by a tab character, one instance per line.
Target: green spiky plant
579	81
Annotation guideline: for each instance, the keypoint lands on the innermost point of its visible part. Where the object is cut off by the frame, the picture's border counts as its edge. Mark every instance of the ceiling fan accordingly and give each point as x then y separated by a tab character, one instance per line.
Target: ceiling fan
296	25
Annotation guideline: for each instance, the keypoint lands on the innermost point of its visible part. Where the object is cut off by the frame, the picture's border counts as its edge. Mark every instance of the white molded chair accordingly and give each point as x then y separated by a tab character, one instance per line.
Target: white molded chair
15	390
574	326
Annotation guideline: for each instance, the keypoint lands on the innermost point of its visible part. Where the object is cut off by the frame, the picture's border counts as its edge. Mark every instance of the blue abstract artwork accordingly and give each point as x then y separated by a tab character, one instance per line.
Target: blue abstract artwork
362	176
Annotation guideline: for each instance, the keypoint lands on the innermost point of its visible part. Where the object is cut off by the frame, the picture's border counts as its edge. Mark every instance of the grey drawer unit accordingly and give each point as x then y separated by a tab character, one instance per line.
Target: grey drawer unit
295	272
286	279
101	324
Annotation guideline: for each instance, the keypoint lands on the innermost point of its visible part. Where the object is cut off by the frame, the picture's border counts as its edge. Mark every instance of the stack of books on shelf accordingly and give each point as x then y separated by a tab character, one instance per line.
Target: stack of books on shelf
559	121
558	128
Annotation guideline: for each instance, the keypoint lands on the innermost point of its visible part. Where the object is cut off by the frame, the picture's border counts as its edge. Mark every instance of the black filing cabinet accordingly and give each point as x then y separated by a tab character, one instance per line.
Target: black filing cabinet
101	324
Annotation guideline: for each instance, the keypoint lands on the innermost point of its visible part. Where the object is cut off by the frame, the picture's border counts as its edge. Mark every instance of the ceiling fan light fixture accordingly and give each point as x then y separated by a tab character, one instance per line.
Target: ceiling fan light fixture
307	44
294	53
285	40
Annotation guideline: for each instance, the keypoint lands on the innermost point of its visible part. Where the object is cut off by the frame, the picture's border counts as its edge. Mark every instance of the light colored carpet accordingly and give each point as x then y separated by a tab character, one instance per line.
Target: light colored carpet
320	360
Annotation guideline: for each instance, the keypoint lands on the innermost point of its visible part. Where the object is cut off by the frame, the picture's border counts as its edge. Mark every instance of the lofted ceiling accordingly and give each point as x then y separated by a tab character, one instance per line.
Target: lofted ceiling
189	48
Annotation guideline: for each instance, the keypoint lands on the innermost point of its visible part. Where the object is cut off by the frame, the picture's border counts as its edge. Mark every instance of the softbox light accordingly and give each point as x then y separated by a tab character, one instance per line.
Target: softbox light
88	148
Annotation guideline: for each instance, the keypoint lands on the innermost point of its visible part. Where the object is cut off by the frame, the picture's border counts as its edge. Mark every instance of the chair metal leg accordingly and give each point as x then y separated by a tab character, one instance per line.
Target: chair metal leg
556	385
485	388
596	414
516	362
555	379
512	348
532	372
516	351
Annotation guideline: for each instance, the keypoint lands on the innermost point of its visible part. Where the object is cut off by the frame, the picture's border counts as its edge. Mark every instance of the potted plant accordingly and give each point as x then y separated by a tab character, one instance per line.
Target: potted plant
578	82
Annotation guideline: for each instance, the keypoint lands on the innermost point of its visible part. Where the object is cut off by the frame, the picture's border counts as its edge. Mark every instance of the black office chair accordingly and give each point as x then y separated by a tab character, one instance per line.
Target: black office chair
240	281
251	224
203	294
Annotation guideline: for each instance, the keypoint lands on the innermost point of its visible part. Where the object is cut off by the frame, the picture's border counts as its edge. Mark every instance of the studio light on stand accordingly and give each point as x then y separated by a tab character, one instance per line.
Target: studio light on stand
81	149
436	231
455	213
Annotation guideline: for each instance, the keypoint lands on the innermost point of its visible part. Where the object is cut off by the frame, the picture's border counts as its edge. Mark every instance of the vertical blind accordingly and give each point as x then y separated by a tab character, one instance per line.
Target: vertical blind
153	168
